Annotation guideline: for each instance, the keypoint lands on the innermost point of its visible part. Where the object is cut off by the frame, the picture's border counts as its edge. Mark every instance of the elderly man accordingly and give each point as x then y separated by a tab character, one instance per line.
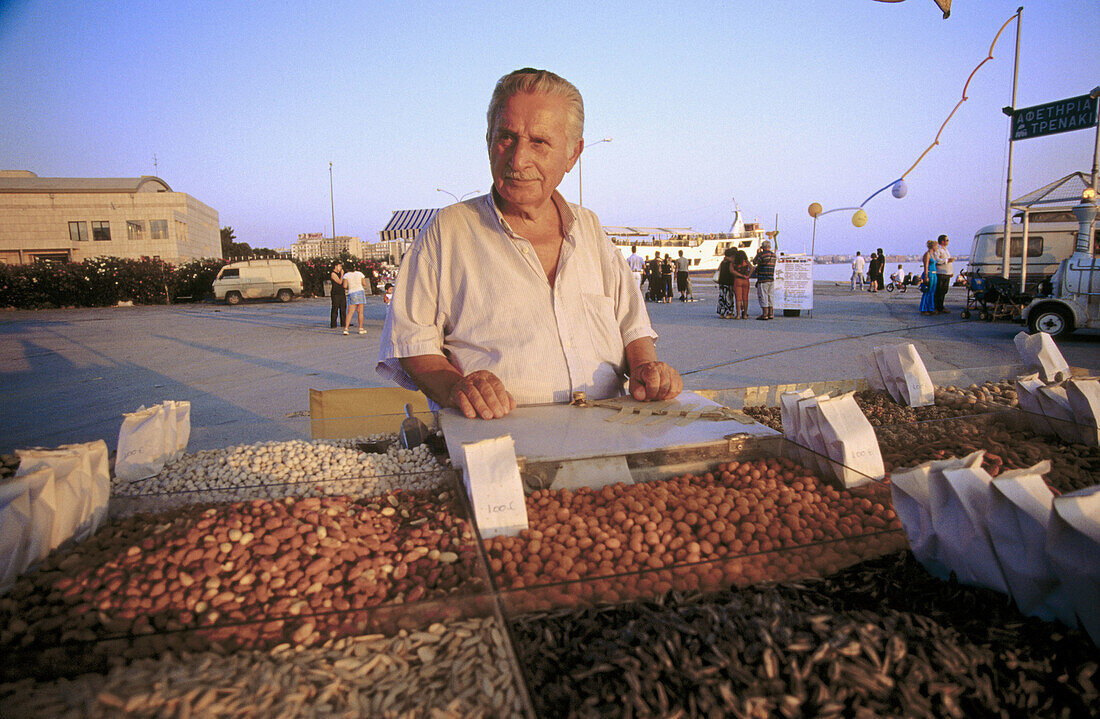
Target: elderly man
764	262
518	297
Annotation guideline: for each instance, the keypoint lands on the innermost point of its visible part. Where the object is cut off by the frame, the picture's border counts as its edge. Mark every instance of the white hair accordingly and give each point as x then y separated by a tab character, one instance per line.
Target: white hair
530	80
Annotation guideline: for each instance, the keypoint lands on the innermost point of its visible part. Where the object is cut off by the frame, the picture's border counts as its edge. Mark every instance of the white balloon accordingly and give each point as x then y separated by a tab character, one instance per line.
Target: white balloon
899	189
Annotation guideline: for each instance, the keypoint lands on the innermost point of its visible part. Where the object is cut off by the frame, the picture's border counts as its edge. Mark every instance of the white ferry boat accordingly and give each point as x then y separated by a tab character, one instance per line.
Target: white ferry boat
704	250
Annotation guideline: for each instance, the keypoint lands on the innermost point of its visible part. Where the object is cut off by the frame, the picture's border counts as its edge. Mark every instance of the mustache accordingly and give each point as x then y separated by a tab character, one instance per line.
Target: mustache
512	175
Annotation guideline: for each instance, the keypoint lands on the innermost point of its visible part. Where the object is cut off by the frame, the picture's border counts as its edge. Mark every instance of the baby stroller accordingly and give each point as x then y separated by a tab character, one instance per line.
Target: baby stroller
994	298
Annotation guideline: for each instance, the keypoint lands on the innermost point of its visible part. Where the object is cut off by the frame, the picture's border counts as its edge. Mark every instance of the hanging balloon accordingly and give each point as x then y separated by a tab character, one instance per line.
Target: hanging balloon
899	189
860	218
815	209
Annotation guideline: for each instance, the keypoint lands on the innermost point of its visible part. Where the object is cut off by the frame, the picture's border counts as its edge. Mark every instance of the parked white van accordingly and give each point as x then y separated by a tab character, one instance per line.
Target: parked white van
1051	237
258	279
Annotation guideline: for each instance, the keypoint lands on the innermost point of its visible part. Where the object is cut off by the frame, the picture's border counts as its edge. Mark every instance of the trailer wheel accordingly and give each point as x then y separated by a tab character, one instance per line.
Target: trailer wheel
284	295
1052	319
965	314
232	298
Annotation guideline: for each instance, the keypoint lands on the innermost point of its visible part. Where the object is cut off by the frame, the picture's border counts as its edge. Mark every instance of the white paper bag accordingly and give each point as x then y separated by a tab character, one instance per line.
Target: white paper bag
1027	395
850	441
71	482
1055	405
789	413
905	375
911	494
960	505
871	372
15	530
1073	544
99	488
890	377
494	486
1019	513
810	433
1039	353
141	444
1084	401
43	499
179	416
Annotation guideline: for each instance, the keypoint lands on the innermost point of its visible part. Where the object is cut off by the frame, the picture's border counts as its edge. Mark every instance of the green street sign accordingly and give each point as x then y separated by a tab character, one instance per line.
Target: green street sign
1076	113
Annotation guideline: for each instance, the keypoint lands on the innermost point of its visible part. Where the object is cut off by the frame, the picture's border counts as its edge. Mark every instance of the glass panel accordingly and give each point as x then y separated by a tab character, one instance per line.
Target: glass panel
101	230
134	229
1034	246
78	231
158	229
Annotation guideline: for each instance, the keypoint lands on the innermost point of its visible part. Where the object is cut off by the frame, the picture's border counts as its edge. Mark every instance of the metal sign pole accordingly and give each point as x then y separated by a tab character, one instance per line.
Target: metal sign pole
1008	182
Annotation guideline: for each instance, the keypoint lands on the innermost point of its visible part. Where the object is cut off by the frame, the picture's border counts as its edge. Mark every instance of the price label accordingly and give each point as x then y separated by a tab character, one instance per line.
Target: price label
494	486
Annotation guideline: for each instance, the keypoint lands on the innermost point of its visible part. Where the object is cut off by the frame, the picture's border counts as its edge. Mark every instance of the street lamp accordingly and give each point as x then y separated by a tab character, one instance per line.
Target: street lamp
580	184
457	199
331	202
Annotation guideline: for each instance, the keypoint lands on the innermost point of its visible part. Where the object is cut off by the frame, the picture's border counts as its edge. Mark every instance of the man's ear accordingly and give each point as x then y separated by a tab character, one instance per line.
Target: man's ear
576	154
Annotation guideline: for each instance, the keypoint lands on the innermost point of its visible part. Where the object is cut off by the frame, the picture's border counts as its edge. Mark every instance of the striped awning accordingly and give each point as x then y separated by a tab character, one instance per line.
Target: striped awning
406	224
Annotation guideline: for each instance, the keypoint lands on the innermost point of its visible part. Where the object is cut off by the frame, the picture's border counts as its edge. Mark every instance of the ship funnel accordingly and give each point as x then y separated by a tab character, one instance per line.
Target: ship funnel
738	226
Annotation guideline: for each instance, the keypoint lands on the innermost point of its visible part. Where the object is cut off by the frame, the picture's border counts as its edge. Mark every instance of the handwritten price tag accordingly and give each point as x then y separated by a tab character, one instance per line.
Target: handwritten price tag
494	486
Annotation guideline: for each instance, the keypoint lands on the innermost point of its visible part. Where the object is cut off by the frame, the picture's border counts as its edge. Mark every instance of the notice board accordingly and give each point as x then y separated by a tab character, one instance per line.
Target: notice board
794	283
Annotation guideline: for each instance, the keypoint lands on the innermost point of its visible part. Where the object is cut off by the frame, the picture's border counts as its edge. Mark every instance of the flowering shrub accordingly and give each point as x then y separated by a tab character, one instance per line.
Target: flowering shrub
105	281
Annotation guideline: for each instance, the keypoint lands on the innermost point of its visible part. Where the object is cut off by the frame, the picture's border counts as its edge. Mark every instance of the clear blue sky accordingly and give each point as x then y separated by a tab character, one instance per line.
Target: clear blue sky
777	104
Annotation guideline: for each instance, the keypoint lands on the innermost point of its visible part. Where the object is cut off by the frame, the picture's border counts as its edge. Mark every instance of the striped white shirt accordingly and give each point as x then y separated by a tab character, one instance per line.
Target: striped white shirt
472	290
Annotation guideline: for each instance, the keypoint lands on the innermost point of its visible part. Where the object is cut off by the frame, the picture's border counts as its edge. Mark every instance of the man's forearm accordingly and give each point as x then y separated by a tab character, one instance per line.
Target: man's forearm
640	351
434	375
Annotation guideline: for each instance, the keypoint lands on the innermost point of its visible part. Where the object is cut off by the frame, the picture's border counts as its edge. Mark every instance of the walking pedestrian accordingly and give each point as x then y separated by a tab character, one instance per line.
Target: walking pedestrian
742	271
666	278
764	269
682	284
339	309
727	306
636	263
945	270
928	281
857	271
354	285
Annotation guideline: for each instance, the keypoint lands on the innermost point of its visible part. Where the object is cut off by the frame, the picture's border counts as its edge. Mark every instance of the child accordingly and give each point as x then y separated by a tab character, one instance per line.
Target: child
387	297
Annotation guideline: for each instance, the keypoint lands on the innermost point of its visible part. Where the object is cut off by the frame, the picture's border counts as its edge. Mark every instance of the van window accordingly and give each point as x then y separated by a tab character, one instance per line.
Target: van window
1034	246
229	272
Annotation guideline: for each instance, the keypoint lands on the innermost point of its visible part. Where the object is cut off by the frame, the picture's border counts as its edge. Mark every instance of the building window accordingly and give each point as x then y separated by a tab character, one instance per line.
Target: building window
78	231
134	230
101	230
158	229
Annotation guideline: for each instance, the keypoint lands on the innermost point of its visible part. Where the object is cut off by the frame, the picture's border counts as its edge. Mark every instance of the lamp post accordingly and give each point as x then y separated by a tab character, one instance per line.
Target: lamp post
457	199
331	203
580	183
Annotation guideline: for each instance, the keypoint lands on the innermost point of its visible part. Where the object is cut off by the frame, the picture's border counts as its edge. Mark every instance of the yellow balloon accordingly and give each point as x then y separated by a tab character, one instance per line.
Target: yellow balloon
815	209
860	218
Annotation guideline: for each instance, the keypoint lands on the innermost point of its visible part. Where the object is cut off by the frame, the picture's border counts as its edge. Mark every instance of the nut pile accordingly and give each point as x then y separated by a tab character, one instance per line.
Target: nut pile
742	508
8	464
310	468
1073	466
881	409
244	575
882	638
457	669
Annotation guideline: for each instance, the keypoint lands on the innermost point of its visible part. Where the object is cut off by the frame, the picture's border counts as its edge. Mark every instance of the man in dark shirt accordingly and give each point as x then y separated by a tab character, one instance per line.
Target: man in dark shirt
765	279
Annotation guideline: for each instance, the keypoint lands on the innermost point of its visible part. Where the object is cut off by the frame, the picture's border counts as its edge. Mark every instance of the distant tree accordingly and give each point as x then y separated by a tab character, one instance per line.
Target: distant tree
227	241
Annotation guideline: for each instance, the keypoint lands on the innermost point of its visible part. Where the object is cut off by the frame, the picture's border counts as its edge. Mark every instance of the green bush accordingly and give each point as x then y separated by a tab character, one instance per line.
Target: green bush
105	281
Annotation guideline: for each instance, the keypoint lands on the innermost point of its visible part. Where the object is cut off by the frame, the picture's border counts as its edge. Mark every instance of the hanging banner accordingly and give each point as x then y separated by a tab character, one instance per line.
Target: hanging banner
794	283
1076	113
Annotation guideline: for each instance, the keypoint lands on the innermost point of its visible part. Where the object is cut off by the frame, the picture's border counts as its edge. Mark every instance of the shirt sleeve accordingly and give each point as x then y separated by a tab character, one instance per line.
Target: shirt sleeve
630	311
413	326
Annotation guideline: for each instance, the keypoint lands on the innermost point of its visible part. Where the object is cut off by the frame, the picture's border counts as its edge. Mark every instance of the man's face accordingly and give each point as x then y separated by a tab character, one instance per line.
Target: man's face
530	151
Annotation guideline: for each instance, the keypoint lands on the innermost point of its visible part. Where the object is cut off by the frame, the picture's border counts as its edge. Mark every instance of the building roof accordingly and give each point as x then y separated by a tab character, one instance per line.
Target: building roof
25	184
1066	191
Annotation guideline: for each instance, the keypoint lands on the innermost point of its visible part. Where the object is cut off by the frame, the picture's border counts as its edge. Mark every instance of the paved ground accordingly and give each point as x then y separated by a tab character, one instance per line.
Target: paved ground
69	375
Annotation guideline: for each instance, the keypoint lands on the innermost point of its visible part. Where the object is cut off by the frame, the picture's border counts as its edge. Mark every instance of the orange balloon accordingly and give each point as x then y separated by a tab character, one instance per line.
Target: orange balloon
815	209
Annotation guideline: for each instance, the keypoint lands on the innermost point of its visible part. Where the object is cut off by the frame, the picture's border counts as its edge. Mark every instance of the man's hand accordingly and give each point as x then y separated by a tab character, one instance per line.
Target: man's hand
481	394
654	380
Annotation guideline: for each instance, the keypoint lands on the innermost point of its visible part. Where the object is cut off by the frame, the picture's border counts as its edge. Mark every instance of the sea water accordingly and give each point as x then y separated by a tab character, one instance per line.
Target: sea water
843	272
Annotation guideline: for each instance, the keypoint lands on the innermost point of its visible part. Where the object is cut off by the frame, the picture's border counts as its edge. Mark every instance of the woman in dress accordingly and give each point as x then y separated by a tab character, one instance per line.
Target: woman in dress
928	281
742	270
727	307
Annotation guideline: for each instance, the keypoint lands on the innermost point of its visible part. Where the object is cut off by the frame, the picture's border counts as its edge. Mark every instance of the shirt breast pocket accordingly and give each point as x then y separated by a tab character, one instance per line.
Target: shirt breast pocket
603	327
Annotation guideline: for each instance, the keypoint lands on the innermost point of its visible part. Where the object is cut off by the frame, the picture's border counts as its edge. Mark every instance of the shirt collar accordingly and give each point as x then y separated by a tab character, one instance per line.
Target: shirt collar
568	219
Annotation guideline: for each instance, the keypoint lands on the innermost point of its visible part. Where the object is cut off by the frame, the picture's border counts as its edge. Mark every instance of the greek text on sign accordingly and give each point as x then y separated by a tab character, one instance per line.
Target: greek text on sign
1076	113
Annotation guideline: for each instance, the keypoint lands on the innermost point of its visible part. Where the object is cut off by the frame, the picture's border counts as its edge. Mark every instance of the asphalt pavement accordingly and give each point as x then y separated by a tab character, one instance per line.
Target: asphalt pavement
69	375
